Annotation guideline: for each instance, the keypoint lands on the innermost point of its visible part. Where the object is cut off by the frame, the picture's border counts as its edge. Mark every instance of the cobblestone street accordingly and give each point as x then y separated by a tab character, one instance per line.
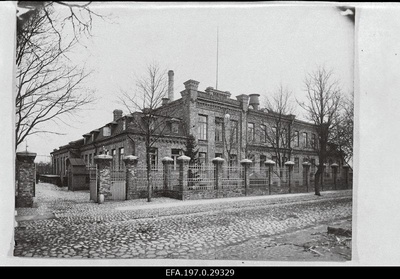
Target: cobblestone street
67	225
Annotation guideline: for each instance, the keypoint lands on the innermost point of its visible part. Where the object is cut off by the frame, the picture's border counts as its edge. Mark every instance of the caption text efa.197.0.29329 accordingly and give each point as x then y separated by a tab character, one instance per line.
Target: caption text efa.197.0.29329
204	272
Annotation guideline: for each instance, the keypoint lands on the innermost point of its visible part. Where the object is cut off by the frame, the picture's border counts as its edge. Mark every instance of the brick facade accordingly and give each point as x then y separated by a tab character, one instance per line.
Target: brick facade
122	137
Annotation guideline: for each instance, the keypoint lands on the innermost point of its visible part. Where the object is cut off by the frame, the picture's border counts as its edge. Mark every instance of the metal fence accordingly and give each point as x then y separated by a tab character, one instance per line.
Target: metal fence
232	177
201	177
155	179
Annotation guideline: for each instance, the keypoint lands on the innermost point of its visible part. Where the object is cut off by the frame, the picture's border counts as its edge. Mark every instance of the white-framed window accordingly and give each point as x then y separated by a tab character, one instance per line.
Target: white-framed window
203	125
175	153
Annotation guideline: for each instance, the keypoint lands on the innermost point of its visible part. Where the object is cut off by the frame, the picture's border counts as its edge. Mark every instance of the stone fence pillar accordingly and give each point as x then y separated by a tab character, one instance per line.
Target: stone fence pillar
246	163
167	165
290	165
130	162
25	176
217	162
183	162
103	163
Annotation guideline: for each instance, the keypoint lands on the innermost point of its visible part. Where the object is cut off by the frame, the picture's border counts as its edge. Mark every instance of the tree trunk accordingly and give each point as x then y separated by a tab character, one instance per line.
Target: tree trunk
317	181
148	169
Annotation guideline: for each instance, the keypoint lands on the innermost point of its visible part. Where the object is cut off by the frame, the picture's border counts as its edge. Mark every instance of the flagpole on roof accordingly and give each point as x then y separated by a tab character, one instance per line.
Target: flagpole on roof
216	83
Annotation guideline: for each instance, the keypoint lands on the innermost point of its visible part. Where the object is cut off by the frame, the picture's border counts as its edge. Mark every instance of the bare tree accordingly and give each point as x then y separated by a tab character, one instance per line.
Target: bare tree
48	88
279	133
324	98
150	120
343	137
230	137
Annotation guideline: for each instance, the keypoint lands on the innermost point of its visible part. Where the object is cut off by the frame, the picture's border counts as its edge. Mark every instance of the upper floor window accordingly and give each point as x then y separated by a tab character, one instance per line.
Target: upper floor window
305	139
274	137
263	135
124	124
313	141
284	137
233	131
174	128
219	124
250	132
106	131
203	127
296	139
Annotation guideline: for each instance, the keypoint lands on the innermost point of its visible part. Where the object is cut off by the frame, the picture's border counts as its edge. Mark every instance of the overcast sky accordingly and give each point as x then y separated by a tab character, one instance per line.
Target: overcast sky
260	47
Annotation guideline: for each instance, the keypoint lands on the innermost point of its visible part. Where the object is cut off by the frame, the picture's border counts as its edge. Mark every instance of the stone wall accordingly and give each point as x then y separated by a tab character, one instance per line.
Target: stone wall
25	179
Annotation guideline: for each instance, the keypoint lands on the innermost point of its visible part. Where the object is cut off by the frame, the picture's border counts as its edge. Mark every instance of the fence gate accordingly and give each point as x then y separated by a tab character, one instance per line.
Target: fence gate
92	170
118	185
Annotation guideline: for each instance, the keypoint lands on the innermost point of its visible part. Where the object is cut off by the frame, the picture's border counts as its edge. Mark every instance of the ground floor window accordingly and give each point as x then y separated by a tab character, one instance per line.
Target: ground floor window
121	152
202	158
233	160
175	153
153	158
296	165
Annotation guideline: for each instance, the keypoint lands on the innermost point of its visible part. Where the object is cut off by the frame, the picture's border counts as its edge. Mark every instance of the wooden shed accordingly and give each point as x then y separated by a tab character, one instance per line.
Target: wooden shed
77	174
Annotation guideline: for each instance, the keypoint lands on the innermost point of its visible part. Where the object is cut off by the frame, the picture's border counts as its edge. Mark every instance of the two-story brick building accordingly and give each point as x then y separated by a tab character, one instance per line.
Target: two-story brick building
223	127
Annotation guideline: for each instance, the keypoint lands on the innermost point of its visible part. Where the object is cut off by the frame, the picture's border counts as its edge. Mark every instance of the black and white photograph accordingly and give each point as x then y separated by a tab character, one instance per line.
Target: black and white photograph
187	132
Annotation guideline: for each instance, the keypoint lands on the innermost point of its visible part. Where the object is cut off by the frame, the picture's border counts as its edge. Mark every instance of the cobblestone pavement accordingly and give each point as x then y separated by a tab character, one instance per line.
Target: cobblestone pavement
66	225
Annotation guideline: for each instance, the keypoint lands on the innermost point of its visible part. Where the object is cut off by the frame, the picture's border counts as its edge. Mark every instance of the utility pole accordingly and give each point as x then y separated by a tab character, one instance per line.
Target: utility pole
216	83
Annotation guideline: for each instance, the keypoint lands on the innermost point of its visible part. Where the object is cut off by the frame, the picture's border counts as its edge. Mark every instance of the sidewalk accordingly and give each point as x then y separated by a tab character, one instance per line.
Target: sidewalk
54	202
272	198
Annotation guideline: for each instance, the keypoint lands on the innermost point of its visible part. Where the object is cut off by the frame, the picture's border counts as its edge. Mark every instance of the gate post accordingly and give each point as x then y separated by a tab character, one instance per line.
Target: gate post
25	177
246	164
167	163
270	165
290	165
217	173
130	162
103	163
183	162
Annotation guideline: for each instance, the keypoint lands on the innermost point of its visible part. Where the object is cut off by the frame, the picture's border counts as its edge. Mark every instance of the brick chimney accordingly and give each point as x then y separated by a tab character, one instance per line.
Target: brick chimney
171	85
117	114
254	101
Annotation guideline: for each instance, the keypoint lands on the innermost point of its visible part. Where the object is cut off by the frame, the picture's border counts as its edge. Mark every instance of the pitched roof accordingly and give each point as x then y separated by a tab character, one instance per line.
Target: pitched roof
76	161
